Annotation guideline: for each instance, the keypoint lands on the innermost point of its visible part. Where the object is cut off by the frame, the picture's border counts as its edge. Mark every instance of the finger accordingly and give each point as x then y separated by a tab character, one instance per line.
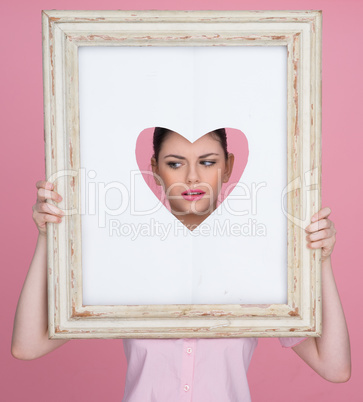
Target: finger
43	195
44	184
46	207
321	224
49	218
41	218
321	243
323	213
321	234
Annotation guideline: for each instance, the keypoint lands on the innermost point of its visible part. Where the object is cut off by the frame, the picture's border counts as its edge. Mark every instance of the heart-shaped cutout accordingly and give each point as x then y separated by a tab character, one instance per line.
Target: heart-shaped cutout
173	167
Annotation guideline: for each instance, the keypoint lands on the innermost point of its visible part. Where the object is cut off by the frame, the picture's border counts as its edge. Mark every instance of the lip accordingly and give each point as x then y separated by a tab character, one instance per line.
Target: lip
192	197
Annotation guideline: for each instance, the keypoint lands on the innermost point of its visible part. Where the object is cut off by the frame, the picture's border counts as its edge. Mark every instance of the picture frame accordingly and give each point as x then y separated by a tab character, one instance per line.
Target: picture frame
65	33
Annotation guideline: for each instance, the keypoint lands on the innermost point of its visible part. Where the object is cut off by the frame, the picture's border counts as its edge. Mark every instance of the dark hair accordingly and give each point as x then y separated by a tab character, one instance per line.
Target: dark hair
161	133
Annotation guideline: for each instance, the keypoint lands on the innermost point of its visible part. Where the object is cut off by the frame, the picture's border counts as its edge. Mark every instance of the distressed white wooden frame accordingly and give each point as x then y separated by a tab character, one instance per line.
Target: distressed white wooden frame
300	31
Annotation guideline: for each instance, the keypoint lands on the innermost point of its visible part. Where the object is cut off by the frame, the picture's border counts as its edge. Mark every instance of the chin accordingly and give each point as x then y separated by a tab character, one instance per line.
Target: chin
187	210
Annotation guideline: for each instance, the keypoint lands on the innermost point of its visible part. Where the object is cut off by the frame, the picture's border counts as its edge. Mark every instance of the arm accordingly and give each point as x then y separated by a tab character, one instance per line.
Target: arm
328	355
30	331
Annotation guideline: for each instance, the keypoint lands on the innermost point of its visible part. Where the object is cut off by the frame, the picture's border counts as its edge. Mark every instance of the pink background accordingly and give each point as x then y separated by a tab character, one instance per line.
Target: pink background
94	370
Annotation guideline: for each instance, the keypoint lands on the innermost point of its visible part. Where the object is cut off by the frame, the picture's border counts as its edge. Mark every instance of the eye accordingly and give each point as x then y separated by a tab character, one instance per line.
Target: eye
172	164
209	163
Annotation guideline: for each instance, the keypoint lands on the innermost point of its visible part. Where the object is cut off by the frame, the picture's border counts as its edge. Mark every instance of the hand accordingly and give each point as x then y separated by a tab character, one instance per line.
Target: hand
321	233
43	211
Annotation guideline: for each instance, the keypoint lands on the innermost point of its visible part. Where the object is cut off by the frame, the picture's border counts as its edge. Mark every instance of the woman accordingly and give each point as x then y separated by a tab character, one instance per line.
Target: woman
204	369
192	182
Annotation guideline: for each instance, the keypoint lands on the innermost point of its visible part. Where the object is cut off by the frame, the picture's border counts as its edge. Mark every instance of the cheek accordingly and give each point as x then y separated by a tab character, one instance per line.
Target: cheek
169	178
212	178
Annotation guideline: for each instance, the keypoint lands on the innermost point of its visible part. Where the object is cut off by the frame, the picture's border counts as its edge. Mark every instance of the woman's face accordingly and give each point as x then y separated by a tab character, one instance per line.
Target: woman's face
184	167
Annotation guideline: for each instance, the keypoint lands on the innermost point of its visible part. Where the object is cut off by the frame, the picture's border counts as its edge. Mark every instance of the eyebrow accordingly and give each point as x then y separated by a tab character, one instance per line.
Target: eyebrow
182	157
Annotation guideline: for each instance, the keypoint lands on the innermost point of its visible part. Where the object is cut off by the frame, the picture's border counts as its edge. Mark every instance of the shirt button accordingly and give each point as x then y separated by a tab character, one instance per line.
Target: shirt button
186	387
189	350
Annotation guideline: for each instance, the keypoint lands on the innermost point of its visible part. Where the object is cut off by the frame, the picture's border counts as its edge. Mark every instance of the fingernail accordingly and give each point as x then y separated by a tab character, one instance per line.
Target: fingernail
60	197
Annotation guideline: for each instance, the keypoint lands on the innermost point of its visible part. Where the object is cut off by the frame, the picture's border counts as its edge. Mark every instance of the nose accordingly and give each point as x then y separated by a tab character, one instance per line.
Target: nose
192	175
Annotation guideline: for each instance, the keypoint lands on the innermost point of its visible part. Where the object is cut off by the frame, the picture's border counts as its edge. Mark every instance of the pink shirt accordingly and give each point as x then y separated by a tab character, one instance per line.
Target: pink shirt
195	369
